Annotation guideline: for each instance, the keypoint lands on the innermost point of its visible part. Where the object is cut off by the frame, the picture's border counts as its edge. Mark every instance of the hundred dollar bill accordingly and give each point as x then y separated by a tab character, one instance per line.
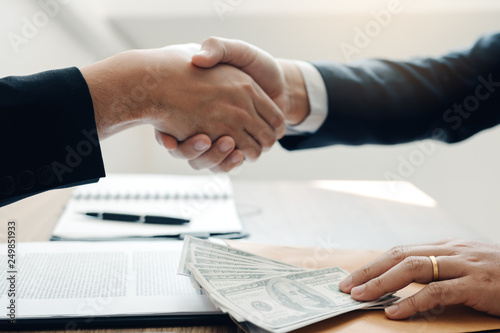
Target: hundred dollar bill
209	261
211	269
229	280
203	252
246	258
200	254
189	242
286	302
227	251
200	257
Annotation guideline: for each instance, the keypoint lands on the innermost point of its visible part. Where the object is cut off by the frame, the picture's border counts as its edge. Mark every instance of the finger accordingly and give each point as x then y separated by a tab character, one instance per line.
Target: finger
215	50
165	140
192	147
272	115
390	259
245	142
235	159
257	63
261	132
219	151
437	293
412	269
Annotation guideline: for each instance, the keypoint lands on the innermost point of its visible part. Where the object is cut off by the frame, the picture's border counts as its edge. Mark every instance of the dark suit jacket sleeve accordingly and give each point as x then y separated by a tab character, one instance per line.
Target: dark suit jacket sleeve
388	102
48	136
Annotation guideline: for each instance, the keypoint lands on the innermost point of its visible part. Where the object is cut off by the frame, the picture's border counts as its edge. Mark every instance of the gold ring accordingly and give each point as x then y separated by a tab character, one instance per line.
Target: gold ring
435	269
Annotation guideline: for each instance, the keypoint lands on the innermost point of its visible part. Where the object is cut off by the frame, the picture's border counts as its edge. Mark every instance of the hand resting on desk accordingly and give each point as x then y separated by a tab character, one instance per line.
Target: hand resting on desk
469	273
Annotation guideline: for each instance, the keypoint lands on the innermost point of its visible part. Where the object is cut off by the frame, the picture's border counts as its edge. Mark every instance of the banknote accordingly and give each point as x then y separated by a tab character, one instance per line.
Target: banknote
190	242
197	256
211	269
239	256
266	293
279	303
228	280
198	252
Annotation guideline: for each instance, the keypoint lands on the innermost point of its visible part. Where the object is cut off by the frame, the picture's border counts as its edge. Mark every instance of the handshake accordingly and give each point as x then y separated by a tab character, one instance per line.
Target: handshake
215	105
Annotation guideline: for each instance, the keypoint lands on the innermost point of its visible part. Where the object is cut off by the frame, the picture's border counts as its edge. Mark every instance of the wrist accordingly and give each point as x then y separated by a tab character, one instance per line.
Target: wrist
111	85
298	107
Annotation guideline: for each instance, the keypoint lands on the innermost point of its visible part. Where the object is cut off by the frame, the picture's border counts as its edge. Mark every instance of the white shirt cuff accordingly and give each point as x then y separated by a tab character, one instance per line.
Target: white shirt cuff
318	101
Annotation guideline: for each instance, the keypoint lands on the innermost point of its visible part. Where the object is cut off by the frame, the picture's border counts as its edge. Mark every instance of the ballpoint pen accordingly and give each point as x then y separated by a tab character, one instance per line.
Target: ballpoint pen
137	218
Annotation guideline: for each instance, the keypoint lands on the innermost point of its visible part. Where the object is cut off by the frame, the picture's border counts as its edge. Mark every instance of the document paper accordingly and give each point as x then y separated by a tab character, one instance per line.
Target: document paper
73	279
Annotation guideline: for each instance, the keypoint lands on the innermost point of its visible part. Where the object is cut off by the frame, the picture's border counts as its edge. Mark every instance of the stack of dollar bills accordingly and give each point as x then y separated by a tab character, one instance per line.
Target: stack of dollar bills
272	295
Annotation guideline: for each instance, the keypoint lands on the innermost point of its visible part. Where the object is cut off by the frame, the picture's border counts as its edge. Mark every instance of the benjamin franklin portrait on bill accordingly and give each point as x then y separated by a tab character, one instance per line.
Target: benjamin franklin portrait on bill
297	296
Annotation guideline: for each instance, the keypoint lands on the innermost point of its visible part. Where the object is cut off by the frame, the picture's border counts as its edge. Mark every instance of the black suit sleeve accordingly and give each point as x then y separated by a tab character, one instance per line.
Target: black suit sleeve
388	102
48	135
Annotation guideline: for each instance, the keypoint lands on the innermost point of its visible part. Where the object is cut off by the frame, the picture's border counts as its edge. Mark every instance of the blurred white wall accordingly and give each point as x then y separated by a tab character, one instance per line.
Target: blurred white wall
462	177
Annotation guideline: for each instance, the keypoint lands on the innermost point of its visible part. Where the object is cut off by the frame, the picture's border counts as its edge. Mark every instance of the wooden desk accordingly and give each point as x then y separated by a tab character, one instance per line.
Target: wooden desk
340	214
343	214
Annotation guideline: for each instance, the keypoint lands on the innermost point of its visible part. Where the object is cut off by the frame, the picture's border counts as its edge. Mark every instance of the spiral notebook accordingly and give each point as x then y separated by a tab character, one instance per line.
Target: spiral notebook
207	201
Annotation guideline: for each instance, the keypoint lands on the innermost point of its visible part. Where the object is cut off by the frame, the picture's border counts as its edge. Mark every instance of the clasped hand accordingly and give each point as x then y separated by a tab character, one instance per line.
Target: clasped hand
280	79
163	88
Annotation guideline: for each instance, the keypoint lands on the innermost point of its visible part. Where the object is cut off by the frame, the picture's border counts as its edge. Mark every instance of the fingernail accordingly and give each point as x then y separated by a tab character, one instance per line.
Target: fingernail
358	290
346	283
200	145
236	159
224	147
203	53
391	310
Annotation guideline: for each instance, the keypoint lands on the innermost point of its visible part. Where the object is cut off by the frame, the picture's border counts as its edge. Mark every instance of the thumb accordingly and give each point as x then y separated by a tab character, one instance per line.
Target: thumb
257	63
165	140
211	53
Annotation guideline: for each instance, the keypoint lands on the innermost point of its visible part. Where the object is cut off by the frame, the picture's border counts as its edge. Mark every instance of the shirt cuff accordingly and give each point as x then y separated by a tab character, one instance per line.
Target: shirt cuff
318	101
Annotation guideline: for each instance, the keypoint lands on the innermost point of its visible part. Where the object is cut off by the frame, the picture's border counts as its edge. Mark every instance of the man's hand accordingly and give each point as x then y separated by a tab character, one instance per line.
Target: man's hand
468	274
221	156
163	88
280	79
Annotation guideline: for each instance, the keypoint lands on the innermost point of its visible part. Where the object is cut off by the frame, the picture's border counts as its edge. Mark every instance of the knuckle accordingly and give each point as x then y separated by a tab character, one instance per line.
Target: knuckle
247	84
212	42
211	39
243	117
413	303
473	258
379	283
412	264
398	253
366	272
482	278
435	290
